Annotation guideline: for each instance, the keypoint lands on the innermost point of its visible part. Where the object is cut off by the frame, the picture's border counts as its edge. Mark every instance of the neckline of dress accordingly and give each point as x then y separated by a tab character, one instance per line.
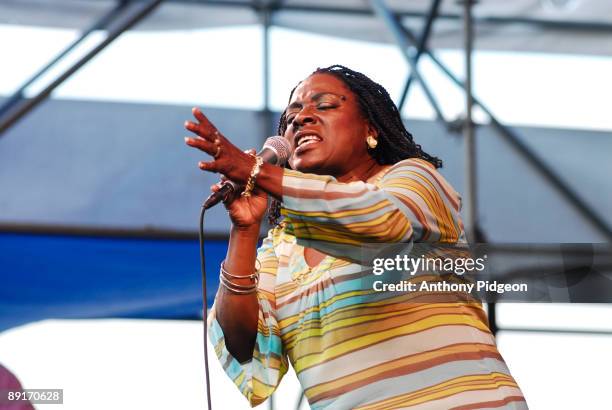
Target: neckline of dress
327	258
318	265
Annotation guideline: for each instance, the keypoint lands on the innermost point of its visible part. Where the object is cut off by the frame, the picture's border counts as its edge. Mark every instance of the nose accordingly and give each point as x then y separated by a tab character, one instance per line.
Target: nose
305	116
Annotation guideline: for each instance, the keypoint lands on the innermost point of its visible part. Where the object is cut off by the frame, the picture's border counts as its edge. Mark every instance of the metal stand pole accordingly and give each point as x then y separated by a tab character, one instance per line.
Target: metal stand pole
471	182
470	189
15	116
526	153
394	27
267	114
431	16
98	25
266	9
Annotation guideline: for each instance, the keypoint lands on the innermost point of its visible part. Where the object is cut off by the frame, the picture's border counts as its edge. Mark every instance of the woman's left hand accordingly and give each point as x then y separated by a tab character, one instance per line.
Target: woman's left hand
228	159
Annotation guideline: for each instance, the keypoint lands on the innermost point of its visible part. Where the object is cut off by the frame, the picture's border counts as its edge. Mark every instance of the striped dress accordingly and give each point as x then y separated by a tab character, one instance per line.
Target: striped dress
351	347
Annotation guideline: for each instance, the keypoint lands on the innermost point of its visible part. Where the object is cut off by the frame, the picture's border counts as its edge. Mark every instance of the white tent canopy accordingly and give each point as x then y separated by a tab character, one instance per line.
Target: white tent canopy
556	26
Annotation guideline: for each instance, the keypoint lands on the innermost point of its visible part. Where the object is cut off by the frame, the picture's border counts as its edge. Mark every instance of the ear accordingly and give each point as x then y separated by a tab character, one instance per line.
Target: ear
372	131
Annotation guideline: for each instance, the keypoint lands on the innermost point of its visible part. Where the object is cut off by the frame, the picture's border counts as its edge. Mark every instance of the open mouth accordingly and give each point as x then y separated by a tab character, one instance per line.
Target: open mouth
306	140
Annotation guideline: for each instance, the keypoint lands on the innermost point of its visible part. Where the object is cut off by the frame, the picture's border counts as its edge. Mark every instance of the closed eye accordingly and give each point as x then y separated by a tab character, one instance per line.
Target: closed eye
326	106
320	107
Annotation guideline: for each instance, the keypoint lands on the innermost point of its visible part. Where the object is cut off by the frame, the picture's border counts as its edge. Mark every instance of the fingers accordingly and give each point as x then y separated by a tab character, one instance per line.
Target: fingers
229	160
208	166
208	147
202	131
192	126
204	128
199	115
229	198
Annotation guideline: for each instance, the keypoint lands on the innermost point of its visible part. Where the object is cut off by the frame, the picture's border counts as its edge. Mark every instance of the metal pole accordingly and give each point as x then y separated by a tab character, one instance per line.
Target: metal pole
532	158
267	114
266	8
470	189
98	25
587	26
112	35
431	16
266	59
492	316
395	27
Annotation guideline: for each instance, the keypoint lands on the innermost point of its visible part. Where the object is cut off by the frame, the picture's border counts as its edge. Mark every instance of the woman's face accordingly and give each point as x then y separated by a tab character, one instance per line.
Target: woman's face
325	127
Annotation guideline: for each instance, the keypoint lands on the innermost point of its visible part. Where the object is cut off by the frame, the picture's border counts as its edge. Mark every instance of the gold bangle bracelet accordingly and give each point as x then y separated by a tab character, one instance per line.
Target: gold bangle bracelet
253	276
250	185
238	289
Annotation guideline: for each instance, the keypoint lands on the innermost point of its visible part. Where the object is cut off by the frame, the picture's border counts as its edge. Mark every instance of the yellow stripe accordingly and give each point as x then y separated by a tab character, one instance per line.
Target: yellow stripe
442	390
304	230
400	298
309	331
292	319
441	211
426	196
370	339
395	364
341	214
303	176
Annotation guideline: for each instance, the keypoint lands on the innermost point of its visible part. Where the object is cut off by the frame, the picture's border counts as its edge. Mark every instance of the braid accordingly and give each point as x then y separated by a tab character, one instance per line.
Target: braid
395	143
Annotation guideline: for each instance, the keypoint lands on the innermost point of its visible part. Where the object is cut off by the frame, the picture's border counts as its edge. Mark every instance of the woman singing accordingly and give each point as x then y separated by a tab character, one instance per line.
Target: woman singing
356	177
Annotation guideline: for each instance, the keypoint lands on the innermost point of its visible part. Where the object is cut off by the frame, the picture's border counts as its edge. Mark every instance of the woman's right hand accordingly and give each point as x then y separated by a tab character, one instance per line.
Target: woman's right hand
245	212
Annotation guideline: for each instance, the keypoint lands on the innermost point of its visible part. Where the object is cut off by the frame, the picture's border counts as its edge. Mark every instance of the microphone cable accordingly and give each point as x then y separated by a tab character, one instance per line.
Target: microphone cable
204	305
276	150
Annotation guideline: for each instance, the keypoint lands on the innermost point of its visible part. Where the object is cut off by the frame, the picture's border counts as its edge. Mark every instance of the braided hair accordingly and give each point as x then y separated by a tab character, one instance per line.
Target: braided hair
395	143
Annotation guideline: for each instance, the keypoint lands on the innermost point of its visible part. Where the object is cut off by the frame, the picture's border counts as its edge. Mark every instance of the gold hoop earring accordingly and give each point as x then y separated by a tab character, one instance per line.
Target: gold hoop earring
372	142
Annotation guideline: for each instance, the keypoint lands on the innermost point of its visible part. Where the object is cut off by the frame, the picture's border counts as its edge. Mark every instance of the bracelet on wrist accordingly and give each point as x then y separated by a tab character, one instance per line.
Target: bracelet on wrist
225	280
238	289
253	276
250	185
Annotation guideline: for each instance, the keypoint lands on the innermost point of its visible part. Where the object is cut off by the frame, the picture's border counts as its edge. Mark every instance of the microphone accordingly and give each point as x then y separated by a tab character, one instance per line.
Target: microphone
276	151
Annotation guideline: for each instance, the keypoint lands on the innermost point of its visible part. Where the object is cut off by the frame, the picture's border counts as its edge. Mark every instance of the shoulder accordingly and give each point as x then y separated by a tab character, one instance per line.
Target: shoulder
419	174
413	163
408	169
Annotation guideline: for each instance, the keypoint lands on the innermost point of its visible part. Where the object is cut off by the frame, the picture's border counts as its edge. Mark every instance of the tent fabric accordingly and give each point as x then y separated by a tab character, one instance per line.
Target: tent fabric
79	174
589	34
135	172
46	179
57	276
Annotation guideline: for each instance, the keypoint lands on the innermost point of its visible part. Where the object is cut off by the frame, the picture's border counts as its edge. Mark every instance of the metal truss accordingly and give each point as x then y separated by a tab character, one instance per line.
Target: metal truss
507	133
394	27
17	106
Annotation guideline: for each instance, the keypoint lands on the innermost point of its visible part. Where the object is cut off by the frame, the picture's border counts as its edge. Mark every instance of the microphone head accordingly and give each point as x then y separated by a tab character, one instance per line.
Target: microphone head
281	147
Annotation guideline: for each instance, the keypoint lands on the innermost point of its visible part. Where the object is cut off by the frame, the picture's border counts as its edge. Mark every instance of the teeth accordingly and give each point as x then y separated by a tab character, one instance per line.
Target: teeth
308	139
